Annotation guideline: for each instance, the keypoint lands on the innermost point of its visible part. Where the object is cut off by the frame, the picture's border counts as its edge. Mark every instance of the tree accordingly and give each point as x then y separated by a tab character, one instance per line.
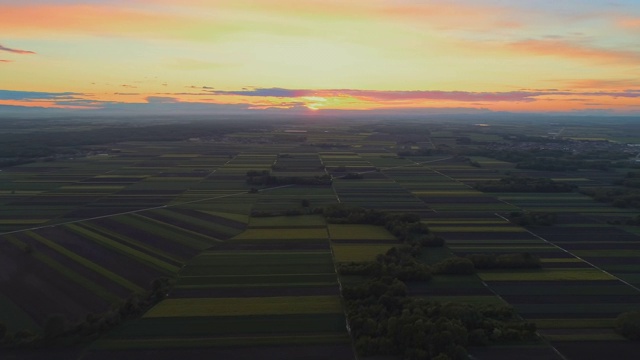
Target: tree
54	326
3	331
455	266
628	325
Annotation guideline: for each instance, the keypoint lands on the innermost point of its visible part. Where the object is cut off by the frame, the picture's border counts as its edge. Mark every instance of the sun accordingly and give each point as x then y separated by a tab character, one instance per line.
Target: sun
314	102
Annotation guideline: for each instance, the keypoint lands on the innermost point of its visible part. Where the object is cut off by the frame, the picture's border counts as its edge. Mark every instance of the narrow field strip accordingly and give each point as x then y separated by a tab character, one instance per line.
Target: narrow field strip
246	306
547	274
87	263
243	341
157	229
68	273
206	240
123	249
162	255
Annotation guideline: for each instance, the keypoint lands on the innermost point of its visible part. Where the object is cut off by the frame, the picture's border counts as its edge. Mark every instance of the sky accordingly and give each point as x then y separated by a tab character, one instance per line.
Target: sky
525	56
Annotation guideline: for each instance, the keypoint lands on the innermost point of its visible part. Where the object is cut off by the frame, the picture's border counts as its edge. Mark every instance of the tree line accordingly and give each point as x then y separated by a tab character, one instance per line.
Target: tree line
524	184
264	178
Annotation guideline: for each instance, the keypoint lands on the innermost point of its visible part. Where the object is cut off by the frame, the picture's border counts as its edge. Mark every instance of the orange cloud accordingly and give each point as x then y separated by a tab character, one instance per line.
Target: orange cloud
452	16
575	51
443	14
92	19
45	104
628	22
604	84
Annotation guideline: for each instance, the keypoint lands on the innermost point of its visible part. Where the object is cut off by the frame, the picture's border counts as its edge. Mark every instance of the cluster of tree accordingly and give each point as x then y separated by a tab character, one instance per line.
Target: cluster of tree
406	227
632	180
518	156
505	261
454	266
58	331
618	197
547	159
400	262
528	218
553	164
264	177
524	184
384	321
520	138
628	325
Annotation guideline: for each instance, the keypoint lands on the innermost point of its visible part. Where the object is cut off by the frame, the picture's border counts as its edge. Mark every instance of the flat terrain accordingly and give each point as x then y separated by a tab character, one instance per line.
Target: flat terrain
255	266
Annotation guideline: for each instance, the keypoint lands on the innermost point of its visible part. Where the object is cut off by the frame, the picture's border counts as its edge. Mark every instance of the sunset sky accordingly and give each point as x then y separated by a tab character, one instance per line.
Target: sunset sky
517	56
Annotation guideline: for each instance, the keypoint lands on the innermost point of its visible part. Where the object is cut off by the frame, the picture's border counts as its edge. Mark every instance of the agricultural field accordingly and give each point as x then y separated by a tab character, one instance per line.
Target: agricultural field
577	294
254	266
272	289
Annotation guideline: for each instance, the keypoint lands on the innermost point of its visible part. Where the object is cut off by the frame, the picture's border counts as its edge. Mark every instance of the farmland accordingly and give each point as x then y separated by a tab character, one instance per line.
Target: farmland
253	267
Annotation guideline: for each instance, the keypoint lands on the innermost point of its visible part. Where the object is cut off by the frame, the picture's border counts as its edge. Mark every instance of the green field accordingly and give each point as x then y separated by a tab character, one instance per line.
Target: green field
247	306
359	232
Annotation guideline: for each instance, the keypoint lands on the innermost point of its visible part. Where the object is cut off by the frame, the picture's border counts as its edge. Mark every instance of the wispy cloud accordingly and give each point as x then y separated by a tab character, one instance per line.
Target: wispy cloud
628	22
608	84
5	61
409	96
35	95
575	51
161	100
16	51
